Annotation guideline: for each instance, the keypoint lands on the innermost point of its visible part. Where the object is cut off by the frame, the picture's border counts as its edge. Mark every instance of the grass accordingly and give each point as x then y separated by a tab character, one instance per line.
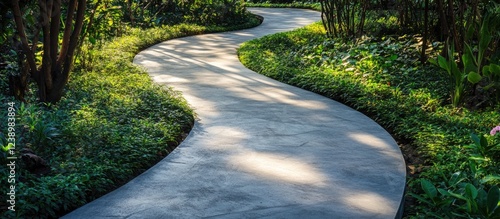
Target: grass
382	77
112	124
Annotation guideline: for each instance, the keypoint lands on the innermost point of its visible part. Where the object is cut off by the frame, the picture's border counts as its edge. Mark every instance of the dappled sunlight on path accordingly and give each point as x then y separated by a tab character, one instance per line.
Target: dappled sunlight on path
259	148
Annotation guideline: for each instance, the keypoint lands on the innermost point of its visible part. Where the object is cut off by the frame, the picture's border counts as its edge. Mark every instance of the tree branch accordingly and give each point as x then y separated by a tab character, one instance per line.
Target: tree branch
55	26
67	32
30	56
46	59
82	5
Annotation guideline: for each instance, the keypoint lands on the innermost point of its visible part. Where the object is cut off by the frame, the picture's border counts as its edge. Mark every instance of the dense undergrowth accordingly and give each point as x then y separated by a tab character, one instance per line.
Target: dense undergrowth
112	124
450	173
301	4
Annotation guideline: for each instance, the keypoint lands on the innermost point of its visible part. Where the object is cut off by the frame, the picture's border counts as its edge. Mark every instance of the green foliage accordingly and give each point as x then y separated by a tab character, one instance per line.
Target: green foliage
282	1
383	78
344	18
482	151
112	124
457	77
213	11
103	21
467	202
464	194
203	12
473	65
315	5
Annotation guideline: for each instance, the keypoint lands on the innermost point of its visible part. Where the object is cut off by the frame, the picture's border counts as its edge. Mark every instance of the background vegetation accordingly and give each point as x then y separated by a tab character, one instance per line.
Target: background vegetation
111	122
425	70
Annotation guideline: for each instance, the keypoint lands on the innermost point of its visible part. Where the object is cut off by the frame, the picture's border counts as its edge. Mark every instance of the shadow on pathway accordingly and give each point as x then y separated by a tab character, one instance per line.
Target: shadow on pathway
259	148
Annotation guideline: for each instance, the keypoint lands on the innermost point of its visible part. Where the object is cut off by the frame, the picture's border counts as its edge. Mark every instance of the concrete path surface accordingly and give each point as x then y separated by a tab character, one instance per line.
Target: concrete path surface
259	148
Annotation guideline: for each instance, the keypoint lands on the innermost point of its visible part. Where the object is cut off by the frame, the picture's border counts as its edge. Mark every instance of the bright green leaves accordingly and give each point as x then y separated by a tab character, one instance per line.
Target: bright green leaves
474	77
493	202
482	150
475	68
456	76
472	202
7	147
429	189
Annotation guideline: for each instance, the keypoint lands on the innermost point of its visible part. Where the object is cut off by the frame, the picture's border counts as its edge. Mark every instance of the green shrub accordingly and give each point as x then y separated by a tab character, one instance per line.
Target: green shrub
383	78
112	124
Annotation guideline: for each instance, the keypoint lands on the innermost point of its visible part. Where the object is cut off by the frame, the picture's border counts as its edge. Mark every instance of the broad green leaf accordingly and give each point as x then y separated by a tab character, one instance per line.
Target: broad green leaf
443	63
485	38
470	62
493	198
428	188
470	30
469	205
481	201
470	191
459	75
476	139
484	141
474	77
494	69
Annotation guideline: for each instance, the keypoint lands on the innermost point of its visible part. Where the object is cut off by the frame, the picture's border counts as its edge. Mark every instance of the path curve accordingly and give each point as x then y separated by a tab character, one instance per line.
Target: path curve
259	148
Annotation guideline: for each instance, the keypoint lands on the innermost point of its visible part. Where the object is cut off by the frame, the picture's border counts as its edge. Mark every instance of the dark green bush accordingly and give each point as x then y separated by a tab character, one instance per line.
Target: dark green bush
204	12
283	1
112	124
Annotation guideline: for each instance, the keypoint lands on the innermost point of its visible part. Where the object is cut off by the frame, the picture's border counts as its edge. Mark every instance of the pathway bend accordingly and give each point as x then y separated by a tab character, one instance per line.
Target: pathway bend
259	148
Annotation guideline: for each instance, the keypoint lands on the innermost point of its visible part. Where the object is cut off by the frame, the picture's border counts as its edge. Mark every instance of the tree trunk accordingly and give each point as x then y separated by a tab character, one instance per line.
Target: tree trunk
442	28
423	55
53	74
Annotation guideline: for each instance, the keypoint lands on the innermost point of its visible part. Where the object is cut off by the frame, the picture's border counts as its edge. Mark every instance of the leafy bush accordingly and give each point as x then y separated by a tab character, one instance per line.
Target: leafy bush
112	124
315	5
383	77
283	1
213	11
478	72
204	12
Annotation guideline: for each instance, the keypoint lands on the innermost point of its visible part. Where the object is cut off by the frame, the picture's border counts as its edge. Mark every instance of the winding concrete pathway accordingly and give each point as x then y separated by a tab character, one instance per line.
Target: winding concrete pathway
259	148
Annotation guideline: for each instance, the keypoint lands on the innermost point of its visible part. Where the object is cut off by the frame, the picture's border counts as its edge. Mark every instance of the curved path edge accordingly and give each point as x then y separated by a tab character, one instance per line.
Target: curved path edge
259	148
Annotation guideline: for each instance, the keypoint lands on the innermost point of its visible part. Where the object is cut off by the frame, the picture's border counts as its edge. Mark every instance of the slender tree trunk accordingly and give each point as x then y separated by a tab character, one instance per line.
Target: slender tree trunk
453	29
443	27
364	7
423	55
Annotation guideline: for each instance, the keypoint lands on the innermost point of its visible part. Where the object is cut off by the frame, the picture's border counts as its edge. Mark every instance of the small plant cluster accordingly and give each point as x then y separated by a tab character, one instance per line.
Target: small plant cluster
112	124
384	78
477	73
459	197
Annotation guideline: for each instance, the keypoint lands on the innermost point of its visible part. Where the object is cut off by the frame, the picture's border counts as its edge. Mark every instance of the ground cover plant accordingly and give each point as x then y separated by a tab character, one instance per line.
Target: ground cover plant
111	124
453	159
